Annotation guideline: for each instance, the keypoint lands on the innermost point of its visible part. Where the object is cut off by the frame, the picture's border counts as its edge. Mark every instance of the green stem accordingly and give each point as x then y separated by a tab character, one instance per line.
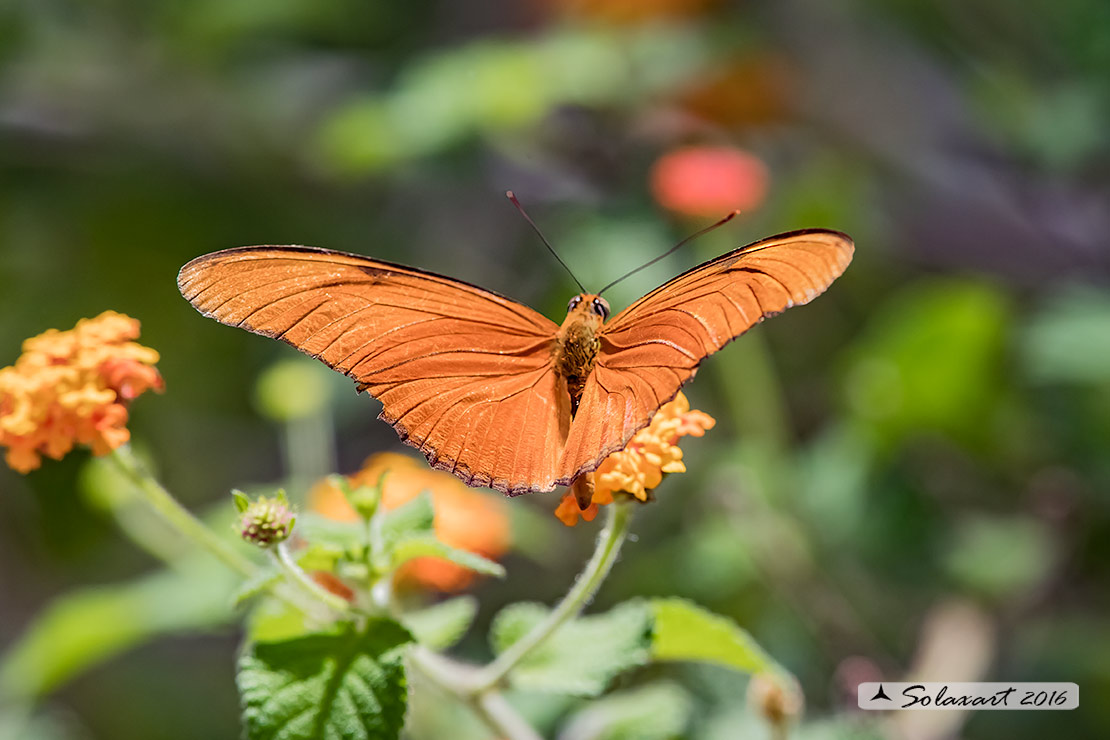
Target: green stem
179	519
456	680
608	547
281	556
177	516
496	711
757	405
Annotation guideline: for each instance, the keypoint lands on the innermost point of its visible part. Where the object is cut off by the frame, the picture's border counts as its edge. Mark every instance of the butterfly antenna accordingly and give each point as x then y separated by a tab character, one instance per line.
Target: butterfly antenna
673	249
519	207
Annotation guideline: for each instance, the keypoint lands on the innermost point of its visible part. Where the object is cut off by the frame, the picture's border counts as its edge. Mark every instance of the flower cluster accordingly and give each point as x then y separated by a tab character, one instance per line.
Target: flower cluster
73	387
640	466
464	517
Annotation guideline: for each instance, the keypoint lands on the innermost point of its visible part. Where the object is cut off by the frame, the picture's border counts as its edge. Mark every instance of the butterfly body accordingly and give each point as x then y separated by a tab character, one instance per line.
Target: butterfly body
578	343
487	388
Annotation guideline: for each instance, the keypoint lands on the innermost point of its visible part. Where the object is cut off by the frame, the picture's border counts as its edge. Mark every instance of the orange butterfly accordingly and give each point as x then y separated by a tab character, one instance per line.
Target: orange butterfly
487	388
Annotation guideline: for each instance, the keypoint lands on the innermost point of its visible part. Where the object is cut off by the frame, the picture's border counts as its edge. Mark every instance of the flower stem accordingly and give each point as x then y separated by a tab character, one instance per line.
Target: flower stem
490	706
177	516
495	710
608	547
281	556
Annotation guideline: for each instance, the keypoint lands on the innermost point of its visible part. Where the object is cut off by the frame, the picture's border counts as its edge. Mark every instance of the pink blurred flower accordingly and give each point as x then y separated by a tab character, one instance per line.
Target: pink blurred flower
709	180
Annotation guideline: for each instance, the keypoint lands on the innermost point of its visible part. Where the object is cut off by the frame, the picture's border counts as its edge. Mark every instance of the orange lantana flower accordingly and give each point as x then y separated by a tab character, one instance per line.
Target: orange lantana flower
464	517
640	466
73	387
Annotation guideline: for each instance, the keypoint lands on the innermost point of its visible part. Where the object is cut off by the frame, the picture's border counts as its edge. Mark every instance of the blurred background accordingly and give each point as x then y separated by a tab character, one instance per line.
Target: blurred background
910	477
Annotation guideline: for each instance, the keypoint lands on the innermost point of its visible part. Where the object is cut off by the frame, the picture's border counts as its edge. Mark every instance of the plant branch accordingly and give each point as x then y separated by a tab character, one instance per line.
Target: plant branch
285	562
177	516
181	520
608	547
456	680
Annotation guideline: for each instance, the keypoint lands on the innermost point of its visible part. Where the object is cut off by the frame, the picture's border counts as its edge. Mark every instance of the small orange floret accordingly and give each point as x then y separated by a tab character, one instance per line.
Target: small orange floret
640	466
464	517
71	387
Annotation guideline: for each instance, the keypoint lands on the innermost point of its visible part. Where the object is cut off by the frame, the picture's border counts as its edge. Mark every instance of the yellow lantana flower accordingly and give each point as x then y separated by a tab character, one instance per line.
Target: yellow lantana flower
640	466
73	387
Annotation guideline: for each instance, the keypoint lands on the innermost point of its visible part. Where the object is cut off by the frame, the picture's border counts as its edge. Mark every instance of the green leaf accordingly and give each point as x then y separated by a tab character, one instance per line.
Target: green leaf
684	631
583	655
348	685
426	545
932	359
654	712
414	517
242	502
273	621
91	625
1000	557
324	532
320	556
256	585
442	625
1069	340
18	722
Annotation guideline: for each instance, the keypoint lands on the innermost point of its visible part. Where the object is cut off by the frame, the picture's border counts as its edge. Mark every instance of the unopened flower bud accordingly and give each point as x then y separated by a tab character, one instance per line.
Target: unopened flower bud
363	499
775	697
265	521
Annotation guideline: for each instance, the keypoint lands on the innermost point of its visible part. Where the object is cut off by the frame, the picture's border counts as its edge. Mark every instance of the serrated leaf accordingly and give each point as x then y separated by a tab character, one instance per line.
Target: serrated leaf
684	631
412	518
653	712
348	685
442	625
583	655
426	545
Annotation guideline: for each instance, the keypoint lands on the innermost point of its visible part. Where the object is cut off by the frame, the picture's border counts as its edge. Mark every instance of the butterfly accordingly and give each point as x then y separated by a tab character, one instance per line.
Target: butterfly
487	388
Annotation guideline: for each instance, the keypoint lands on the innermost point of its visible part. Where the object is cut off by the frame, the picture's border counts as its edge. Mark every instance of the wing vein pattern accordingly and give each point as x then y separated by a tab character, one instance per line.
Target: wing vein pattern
442	356
468	376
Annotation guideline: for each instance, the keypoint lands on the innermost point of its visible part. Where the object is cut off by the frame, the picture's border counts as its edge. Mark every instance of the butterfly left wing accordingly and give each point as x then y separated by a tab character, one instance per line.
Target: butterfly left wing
653	347
463	374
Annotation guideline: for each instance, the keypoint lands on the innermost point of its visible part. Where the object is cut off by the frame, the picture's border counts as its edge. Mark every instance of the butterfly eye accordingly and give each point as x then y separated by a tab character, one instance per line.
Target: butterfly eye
601	307
574	302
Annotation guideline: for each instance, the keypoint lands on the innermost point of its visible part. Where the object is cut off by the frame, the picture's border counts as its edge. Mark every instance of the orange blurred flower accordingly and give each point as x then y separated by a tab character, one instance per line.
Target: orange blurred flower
708	180
632	11
73	387
464	517
751	90
640	466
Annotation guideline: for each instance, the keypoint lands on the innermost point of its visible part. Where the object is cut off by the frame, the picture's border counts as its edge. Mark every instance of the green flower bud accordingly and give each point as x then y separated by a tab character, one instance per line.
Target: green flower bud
364	499
265	521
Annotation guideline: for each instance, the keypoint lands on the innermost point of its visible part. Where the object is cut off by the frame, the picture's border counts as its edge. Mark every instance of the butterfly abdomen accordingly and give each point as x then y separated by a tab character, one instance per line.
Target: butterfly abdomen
576	347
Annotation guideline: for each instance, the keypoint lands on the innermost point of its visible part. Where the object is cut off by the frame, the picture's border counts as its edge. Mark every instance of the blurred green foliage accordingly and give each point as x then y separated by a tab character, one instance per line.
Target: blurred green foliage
933	430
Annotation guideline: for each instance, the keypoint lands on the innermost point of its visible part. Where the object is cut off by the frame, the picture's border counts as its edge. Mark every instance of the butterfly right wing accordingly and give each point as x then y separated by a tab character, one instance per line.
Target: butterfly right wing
463	374
653	347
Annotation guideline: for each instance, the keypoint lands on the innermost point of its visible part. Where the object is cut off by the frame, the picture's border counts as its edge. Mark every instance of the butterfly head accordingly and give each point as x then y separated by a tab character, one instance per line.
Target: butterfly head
588	307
